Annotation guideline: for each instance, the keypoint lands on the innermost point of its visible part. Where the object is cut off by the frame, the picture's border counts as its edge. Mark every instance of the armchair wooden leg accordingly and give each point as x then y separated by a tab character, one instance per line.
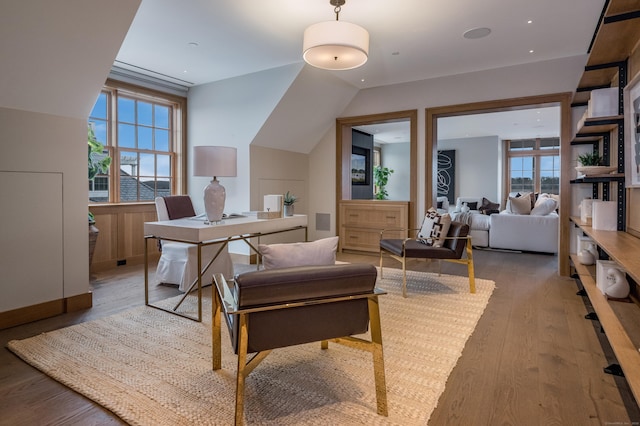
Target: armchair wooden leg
216	341
472	279
404	276
381	275
242	363
378	357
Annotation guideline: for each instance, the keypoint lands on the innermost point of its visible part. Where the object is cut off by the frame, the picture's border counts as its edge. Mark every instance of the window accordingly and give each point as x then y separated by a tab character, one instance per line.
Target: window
534	165
141	131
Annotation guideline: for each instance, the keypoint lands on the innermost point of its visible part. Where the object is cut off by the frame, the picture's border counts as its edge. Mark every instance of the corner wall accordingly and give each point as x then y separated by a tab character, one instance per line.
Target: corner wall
555	76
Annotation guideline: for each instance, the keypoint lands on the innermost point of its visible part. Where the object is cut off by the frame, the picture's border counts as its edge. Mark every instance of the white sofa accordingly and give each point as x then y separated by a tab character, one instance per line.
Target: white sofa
524	232
509	231
478	223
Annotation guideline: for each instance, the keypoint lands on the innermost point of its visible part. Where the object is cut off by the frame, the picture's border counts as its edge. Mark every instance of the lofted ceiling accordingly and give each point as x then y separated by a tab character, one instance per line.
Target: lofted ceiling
199	41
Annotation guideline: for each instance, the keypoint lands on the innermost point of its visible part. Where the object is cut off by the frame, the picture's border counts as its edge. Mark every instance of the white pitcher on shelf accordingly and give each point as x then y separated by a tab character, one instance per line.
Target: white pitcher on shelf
617	285
589	255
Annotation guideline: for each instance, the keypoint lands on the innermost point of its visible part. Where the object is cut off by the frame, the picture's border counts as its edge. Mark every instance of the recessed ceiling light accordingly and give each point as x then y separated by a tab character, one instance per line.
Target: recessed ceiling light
192	44
395	53
531	51
362	80
476	33
529	21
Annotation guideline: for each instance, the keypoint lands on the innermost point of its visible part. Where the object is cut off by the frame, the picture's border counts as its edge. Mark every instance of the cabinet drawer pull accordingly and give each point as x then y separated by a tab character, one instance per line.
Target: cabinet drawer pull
391	217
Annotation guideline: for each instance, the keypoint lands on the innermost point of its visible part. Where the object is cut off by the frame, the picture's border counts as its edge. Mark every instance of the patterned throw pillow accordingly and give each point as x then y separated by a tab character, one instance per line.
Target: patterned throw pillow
435	227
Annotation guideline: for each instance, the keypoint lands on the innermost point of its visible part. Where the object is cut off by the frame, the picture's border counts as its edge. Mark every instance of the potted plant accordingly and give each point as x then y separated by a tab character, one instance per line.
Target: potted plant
590	159
289	200
98	163
380	179
591	164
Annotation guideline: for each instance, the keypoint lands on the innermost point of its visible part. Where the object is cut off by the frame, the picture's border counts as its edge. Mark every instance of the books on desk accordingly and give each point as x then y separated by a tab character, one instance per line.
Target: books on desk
203	216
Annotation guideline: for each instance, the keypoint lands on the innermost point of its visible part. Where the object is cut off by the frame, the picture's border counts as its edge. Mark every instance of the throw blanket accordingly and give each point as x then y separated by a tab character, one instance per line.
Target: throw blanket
462	217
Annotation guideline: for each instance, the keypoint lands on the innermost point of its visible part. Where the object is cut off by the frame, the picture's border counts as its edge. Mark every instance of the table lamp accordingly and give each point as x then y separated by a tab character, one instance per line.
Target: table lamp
214	161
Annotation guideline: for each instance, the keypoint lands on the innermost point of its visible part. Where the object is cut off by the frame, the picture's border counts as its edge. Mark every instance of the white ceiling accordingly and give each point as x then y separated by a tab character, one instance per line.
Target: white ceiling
410	39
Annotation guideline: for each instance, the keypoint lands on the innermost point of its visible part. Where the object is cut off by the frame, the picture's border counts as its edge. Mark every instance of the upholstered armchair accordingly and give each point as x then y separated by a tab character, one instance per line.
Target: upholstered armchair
455	245
275	308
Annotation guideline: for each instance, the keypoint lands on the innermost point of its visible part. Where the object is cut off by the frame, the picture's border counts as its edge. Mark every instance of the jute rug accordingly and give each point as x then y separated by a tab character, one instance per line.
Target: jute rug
153	368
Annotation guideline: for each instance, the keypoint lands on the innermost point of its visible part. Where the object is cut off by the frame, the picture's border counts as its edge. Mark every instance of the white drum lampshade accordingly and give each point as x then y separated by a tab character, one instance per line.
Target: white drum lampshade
335	45
214	161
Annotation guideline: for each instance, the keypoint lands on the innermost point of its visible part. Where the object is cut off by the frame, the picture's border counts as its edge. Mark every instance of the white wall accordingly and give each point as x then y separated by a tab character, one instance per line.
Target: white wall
478	166
286	108
55	58
230	113
556	76
396	157
35	143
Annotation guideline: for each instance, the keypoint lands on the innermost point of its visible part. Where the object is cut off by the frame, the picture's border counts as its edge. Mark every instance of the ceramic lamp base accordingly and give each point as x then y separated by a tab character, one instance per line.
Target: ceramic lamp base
214	197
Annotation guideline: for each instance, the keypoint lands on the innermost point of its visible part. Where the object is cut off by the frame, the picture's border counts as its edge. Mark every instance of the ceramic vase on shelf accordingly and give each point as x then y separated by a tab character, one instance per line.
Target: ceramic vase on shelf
586	258
589	255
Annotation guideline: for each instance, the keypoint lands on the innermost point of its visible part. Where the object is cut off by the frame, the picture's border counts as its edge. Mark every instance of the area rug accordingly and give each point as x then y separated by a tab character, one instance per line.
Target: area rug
150	367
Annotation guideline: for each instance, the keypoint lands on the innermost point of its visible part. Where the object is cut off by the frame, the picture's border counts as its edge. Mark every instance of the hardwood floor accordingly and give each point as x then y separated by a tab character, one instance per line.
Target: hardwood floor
532	360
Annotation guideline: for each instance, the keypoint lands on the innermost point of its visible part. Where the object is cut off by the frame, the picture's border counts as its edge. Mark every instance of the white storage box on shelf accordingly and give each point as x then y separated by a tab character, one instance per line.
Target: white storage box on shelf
604	215
602	268
603	103
586	211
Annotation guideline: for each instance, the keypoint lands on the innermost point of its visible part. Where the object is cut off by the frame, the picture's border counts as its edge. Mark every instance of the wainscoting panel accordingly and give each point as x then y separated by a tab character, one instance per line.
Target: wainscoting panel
121	238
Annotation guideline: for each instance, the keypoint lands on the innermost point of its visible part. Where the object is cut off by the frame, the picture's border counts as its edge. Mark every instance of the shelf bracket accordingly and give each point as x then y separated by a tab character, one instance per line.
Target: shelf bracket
591	316
614	369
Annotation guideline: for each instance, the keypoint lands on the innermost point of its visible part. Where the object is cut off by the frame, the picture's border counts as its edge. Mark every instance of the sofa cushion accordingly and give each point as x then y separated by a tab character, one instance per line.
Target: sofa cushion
435	227
520	205
544	206
314	253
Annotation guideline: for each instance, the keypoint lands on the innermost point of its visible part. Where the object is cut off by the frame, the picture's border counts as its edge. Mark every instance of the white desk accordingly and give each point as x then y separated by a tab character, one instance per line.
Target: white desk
195	231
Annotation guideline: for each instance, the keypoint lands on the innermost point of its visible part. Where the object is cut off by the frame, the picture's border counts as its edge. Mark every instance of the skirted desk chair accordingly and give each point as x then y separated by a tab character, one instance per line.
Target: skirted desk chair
275	308
452	250
178	262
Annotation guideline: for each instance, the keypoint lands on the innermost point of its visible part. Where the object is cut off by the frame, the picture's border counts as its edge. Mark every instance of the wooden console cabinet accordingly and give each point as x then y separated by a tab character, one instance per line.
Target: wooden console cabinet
360	223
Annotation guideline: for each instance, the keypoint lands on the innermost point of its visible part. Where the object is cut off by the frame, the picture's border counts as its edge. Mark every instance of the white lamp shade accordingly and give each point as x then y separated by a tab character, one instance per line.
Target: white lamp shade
335	45
215	161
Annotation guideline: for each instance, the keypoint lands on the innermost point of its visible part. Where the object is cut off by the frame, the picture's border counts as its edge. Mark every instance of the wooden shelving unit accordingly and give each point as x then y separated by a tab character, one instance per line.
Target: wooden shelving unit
617	35
620	320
